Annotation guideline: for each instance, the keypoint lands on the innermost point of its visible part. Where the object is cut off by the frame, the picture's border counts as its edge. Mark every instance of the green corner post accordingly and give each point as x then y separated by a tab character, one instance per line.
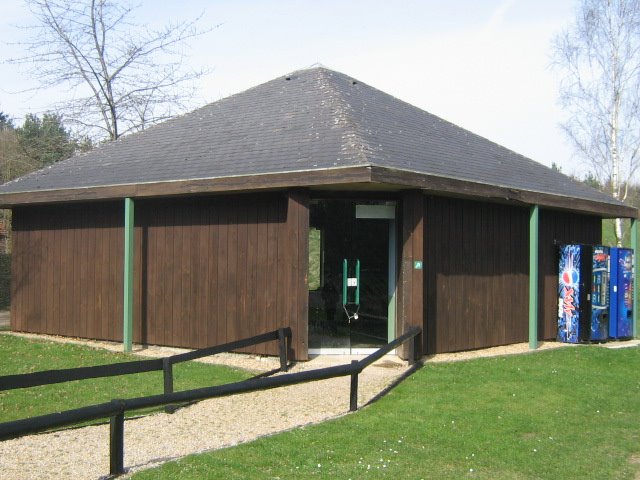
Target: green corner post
534	224
636	284
127	327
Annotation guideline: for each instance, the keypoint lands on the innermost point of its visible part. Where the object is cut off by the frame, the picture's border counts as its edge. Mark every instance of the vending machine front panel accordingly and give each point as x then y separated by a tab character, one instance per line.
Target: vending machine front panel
599	330
569	293
625	293
621	320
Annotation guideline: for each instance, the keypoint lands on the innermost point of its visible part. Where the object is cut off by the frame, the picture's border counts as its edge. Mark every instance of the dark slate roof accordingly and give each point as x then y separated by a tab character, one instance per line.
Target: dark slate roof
312	119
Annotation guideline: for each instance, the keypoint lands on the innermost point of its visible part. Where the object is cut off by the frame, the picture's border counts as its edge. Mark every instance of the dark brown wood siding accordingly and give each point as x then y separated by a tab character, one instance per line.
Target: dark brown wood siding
67	270
410	285
476	274
559	227
207	269
222	268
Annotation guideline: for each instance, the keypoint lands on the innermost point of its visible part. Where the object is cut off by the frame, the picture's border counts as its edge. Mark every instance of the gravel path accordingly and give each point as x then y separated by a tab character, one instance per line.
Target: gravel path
83	453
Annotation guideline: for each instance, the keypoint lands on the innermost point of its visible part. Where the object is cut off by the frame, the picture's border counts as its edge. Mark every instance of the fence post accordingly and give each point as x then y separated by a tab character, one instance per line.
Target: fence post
282	347
353	396
411	354
414	349
116	443
167	371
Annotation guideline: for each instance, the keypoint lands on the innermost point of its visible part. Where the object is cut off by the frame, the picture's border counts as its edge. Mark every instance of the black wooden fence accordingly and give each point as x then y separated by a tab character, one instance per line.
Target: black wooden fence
48	377
115	409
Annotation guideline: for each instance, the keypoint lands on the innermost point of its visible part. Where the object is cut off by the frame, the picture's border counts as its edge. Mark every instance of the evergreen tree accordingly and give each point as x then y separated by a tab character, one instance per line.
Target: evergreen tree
6	123
45	140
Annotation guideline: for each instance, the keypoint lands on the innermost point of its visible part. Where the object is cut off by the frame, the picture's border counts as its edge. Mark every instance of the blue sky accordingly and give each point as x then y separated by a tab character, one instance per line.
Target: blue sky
483	65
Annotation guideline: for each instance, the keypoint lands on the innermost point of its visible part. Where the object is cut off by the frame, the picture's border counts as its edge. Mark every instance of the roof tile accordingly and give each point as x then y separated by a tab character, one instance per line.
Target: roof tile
308	120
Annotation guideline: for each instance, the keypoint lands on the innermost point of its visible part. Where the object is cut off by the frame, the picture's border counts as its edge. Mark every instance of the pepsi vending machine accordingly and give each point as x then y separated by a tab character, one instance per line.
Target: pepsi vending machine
583	293
621	293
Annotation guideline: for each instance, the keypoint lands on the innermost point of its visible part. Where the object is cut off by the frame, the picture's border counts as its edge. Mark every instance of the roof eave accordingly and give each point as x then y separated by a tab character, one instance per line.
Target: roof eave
344	176
240	183
468	189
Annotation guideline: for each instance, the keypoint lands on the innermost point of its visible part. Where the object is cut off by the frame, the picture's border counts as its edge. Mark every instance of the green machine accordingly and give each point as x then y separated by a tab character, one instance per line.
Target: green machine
351	289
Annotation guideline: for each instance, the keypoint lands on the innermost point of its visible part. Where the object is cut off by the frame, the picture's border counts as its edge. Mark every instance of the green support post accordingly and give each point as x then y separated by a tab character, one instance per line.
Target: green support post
636	284
344	281
127	330
534	224
357	302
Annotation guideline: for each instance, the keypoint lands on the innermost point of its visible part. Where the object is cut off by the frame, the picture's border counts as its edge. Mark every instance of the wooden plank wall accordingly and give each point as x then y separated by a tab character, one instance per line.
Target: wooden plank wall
410	285
207	269
67	270
218	269
476	274
559	227
213	269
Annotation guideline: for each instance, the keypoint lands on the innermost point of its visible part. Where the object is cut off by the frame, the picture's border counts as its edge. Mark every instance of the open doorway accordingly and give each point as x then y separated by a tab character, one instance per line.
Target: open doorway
352	275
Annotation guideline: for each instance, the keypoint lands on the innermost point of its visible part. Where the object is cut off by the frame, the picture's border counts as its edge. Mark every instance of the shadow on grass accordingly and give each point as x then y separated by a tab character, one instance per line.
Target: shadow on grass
414	368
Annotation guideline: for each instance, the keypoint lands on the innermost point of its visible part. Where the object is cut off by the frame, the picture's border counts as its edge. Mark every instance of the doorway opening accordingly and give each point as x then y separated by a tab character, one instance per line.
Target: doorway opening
352	276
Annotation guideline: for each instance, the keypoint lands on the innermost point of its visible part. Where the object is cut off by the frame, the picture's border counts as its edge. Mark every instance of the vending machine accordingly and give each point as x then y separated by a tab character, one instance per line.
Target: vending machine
600	299
621	293
583	293
571	294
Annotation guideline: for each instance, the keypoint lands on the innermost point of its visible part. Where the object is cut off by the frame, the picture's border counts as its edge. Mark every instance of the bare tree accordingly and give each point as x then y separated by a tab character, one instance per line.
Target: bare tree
122	76
599	56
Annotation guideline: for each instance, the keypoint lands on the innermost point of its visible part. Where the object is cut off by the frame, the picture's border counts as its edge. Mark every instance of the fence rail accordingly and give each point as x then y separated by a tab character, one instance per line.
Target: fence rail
48	377
115	409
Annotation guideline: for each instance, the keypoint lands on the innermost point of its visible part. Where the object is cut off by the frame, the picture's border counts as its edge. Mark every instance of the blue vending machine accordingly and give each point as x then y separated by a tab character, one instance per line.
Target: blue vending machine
583	293
571	294
621	293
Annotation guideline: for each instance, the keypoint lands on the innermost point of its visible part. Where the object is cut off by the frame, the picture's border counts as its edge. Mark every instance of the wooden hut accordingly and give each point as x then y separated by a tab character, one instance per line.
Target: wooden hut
312	201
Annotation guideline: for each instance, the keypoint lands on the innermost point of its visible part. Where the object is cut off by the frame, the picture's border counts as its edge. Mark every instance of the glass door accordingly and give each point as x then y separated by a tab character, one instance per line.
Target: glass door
351	276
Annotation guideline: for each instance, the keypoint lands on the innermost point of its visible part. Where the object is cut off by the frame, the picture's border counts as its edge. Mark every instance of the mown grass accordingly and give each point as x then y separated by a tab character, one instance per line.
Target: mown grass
314	258
571	413
608	232
21	355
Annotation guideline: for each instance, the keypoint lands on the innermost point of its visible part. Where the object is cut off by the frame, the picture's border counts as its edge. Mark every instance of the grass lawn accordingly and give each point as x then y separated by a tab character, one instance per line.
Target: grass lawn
566	413
314	258
21	355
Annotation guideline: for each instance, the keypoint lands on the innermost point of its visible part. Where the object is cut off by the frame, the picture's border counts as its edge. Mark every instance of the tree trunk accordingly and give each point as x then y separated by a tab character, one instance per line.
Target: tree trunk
618	231
613	139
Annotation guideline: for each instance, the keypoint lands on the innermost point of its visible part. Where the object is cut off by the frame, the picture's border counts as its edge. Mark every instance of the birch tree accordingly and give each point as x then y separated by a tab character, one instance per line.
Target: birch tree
599	58
121	76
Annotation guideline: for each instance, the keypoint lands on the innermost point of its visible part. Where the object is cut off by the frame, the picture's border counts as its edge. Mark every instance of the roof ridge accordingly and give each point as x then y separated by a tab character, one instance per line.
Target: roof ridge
355	142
